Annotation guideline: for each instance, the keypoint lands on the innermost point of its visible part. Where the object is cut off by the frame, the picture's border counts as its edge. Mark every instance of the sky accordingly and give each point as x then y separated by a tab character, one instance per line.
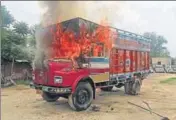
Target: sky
134	16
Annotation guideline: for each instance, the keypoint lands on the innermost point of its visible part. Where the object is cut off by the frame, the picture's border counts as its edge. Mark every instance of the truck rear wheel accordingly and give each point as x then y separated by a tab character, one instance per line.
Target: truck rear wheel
133	87
136	87
82	98
49	97
107	88
127	87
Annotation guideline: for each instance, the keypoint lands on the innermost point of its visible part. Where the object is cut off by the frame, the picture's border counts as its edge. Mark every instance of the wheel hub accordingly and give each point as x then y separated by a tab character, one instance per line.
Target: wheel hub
82	96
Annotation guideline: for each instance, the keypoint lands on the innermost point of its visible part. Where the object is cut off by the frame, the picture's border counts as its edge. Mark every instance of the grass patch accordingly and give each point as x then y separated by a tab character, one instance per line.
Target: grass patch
169	80
22	82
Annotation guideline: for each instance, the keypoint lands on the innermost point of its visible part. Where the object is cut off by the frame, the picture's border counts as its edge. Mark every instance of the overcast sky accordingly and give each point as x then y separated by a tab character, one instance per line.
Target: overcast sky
138	17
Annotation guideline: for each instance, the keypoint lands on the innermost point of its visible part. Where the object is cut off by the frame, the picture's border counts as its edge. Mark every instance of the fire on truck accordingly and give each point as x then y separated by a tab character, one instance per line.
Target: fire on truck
85	56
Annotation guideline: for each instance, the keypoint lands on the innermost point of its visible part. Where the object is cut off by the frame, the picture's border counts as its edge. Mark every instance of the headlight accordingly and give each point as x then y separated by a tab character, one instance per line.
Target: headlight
58	79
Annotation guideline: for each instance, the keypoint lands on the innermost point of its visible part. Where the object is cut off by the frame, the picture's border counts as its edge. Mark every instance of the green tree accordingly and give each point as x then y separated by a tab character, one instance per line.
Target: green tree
157	45
11	42
6	17
21	28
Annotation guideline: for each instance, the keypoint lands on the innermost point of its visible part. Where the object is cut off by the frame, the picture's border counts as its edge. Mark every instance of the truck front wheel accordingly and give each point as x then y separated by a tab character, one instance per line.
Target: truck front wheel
49	97
82	98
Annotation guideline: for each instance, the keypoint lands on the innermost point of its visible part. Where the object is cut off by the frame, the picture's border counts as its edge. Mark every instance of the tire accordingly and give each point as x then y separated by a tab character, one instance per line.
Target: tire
133	87
50	97
82	98
107	88
136	87
127	87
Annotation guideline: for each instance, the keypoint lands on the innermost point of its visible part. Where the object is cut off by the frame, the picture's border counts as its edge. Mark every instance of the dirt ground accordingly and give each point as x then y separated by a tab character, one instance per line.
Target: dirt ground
22	103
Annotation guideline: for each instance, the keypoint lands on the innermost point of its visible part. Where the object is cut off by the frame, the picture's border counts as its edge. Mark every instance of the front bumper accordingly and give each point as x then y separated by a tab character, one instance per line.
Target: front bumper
49	89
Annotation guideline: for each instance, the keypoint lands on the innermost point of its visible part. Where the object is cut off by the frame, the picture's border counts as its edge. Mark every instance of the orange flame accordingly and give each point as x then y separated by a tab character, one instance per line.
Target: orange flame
67	45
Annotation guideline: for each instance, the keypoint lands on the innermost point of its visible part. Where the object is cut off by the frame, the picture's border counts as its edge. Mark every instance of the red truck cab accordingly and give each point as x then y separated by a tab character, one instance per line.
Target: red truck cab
124	66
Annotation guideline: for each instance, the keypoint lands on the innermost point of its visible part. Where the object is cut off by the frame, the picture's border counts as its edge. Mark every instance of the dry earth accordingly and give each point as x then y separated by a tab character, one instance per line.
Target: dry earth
22	103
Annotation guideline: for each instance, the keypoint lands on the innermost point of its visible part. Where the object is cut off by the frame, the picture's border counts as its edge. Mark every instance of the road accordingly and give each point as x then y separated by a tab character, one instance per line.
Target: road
22	103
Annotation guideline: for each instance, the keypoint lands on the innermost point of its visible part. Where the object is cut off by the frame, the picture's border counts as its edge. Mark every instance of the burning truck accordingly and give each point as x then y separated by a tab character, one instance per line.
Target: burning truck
78	56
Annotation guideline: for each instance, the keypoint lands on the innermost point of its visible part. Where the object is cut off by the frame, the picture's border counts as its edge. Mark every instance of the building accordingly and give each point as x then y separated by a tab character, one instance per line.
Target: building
21	69
161	61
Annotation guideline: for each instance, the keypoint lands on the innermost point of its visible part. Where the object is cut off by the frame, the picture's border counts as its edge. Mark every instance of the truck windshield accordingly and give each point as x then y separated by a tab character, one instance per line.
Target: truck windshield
99	60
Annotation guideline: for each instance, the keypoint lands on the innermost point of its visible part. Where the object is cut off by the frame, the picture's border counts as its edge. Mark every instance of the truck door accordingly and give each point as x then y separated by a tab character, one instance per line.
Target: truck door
99	69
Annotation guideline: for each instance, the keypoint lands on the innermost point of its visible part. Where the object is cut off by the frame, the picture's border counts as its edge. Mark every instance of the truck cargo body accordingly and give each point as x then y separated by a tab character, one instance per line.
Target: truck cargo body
127	64
129	61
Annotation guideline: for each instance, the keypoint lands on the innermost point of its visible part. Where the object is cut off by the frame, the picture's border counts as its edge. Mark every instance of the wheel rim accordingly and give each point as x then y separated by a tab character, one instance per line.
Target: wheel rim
82	96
